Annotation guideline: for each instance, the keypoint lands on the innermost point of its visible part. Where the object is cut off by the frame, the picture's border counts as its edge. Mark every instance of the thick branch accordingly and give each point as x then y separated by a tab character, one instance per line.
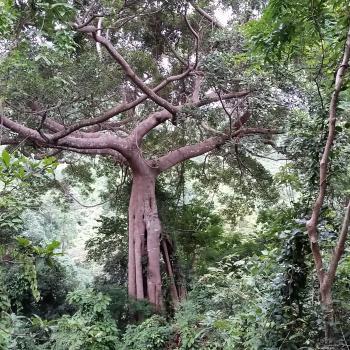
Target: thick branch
186	152
107	141
154	119
214	97
160	117
190	151
104	152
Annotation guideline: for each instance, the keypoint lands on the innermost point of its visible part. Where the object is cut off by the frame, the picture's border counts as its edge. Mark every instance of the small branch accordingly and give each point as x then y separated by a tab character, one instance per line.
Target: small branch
198	80
68	194
225	110
176	55
210	98
160	117
42	155
212	20
99	32
119	158
339	249
9	141
214	131
88	21
196	39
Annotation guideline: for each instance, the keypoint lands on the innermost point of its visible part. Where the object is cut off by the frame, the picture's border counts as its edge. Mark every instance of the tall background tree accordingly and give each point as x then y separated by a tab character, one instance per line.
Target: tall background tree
313	37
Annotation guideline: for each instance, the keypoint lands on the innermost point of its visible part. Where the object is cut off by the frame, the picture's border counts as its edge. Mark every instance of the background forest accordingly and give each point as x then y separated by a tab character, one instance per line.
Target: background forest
174	174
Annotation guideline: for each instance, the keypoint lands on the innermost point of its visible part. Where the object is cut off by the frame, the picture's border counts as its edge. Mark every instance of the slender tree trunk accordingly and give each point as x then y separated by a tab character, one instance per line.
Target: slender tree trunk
144	277
326	277
169	268
328	310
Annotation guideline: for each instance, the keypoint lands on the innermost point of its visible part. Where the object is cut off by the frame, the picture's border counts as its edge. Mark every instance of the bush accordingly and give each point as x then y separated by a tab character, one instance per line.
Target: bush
152	334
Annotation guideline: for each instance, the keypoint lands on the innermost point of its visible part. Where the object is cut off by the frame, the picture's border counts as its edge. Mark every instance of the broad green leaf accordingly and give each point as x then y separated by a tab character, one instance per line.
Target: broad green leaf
6	158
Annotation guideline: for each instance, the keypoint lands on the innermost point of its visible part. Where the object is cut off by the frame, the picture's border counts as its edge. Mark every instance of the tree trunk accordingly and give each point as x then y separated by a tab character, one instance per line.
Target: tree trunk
328	311
144	277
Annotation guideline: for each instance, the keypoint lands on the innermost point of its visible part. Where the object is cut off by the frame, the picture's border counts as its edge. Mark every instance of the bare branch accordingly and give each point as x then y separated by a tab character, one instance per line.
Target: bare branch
194	150
99	32
88	21
339	249
214	97
176	55
67	193
214	131
212	20
225	109
197	87
39	156
9	141
103	152
160	117
196	40
148	124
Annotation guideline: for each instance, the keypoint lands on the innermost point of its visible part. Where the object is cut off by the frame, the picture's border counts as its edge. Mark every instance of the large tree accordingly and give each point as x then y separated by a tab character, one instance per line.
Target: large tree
167	87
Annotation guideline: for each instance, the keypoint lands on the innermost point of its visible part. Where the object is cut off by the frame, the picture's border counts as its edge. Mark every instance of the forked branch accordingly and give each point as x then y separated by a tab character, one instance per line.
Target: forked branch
130	73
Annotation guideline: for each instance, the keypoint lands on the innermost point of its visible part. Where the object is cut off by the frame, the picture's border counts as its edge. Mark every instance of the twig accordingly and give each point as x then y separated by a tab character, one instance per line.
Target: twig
284	340
346	344
196	36
212	20
67	193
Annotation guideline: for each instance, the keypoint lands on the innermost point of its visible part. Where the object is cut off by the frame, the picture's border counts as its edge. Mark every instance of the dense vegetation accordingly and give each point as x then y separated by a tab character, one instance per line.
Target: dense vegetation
174	174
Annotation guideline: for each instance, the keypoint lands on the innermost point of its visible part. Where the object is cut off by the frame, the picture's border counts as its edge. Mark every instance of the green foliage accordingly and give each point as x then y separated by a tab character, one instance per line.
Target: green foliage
90	327
19	255
7	17
151	334
16	169
196	231
41	16
250	287
239	304
290	29
110	246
